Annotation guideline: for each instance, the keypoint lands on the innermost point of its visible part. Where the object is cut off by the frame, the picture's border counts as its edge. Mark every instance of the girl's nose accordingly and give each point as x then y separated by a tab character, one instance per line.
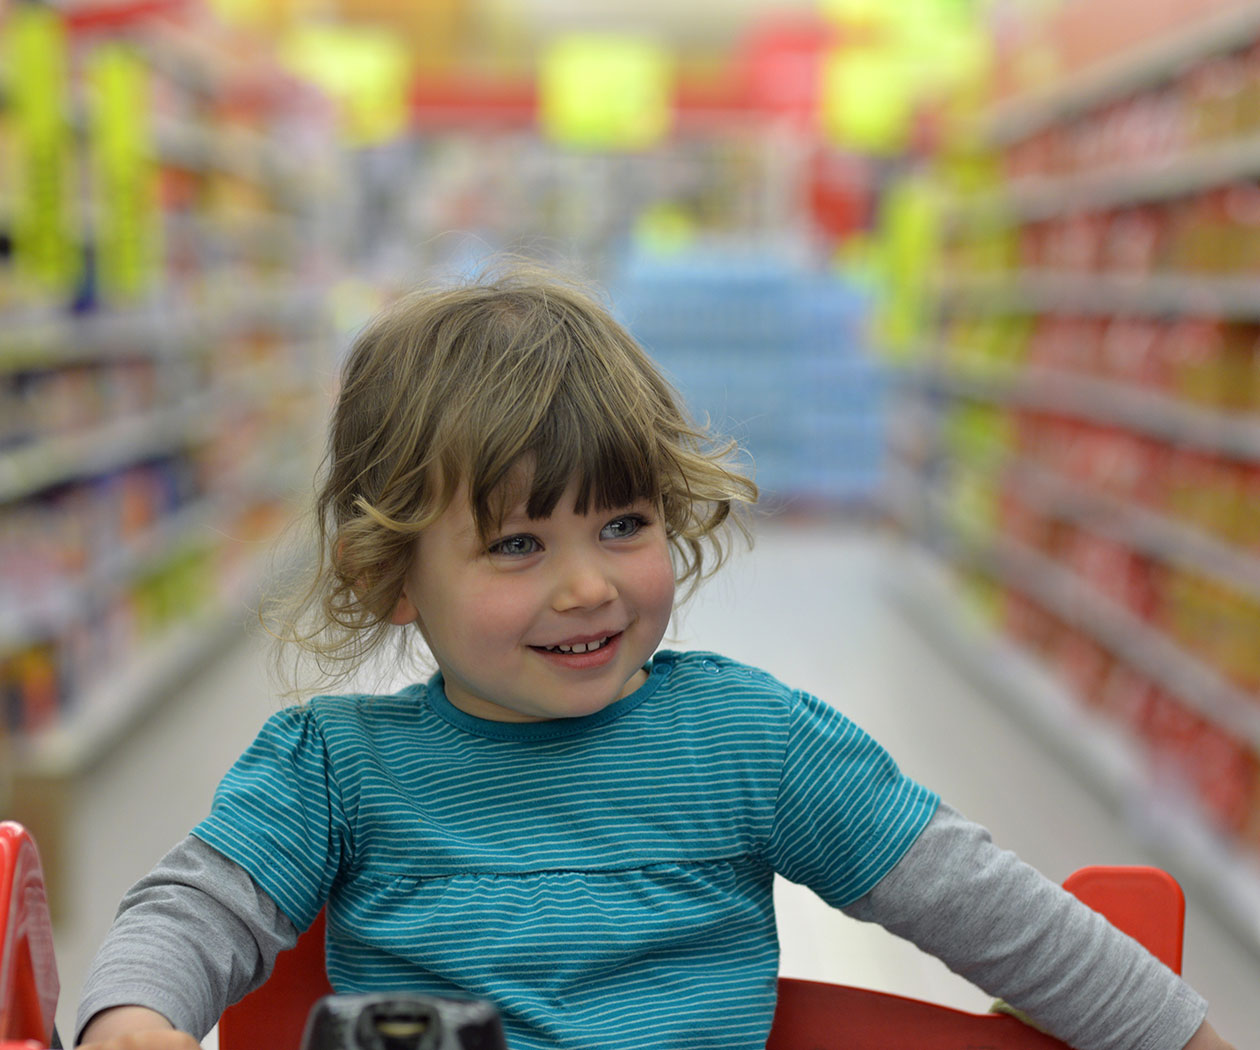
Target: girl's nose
583	583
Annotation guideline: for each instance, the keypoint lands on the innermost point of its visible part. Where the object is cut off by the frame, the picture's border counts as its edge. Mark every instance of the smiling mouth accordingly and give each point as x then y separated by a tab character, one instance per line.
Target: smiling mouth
577	647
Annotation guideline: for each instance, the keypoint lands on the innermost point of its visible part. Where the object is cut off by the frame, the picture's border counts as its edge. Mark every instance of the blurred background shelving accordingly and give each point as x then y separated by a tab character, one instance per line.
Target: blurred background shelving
166	347
974	279
1079	450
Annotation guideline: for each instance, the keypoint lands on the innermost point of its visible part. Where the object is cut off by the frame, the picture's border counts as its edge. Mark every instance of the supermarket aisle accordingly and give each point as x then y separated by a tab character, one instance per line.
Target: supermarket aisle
808	604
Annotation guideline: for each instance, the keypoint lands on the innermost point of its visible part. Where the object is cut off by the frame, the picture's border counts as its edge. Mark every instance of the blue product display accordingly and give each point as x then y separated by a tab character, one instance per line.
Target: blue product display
773	353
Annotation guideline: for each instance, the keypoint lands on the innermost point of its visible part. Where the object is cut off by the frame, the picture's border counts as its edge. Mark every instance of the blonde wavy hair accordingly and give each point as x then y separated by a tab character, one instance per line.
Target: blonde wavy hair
464	385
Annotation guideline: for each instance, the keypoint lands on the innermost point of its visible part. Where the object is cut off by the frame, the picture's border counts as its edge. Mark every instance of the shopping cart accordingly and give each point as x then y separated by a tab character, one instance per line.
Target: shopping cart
1145	902
28	966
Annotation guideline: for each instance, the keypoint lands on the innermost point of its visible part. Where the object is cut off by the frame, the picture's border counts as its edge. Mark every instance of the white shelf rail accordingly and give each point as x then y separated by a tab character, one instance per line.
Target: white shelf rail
1140	68
1219	872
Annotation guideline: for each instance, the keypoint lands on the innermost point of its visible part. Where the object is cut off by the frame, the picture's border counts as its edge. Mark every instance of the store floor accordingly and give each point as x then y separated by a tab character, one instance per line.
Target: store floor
810	603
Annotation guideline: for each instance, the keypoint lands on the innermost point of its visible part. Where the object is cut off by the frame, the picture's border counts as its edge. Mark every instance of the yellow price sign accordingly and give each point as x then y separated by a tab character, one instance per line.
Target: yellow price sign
44	238
366	71
872	20
910	228
600	91
124	172
942	40
869	99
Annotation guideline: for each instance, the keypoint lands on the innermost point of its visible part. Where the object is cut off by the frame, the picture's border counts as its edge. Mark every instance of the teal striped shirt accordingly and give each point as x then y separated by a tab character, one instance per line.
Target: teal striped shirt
605	880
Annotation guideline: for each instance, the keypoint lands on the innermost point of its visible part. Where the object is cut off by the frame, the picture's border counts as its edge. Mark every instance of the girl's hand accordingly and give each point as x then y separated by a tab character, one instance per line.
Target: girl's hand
134	1028
1207	1039
150	1040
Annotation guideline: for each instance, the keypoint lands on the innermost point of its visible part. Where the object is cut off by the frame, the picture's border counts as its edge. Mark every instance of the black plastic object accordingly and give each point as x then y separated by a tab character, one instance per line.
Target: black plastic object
402	1021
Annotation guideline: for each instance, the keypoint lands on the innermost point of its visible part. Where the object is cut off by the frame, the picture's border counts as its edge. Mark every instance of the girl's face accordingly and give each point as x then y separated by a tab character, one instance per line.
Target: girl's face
554	618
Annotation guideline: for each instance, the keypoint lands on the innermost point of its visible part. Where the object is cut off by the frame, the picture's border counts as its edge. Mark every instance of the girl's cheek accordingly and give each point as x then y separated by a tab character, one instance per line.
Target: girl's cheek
659	584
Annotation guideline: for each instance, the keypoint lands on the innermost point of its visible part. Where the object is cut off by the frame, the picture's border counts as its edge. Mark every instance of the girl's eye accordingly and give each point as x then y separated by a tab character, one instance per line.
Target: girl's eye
515	546
623	527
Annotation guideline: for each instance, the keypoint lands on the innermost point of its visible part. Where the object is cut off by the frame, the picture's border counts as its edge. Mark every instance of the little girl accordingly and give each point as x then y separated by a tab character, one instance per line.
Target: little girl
564	819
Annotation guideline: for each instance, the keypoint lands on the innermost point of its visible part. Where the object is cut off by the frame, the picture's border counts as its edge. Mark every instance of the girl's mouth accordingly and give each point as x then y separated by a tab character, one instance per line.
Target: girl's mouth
589	655
577	647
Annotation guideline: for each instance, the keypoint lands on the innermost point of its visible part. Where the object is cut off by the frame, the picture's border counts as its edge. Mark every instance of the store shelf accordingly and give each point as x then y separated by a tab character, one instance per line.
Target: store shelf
56	606
1163	538
1100	401
1144	647
50	461
53	339
238	151
1200	169
1103	294
1138	644
1178	836
1034	199
102	716
50	340
1137	69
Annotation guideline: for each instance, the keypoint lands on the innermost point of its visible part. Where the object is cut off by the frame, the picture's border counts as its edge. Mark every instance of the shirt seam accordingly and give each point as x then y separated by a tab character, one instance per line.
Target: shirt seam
343	827
731	860
792	705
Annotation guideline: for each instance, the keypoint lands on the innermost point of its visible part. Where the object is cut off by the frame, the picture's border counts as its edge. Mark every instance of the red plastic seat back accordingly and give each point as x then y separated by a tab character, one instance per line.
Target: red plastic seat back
28	968
1146	903
272	1017
811	1015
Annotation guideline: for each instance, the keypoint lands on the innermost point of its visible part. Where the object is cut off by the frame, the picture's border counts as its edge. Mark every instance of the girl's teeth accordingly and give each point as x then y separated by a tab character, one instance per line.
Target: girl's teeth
580	647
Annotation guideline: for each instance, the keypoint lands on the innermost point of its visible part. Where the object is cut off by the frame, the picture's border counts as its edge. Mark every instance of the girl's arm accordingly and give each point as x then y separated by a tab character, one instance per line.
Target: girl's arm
1017	935
191	937
134	1028
1207	1039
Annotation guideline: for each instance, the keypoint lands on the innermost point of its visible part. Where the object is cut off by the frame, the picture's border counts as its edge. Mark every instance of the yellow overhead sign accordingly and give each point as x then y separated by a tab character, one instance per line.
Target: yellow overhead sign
889	59
124	172
600	91
869	99
365	70
44	231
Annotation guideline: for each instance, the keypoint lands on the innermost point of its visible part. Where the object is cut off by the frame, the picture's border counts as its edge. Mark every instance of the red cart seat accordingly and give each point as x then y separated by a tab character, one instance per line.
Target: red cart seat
28	968
1147	903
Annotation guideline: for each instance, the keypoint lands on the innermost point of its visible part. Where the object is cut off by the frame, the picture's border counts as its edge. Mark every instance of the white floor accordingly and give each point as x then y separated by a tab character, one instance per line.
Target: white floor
809	604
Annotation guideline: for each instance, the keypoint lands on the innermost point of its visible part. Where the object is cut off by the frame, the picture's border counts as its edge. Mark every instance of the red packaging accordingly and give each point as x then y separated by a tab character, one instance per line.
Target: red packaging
1032	245
1127	696
1224	771
1216	90
1115	571
1074	243
1082	665
1134	241
1249	107
1022	524
1170	729
1247	527
1026	622
1120	464
1193	349
1240	204
1132	351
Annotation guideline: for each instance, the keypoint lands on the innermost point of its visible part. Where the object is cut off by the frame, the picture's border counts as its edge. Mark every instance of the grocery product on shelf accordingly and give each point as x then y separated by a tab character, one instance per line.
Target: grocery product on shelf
158	394
773	352
1093	383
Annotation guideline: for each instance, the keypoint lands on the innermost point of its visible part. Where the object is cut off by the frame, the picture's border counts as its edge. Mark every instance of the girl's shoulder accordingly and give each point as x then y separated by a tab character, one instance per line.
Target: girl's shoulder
340	712
710	674
710	663
701	678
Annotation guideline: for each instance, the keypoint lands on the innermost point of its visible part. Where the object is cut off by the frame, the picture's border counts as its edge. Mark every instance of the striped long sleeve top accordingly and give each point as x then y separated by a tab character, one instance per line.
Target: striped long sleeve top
605	880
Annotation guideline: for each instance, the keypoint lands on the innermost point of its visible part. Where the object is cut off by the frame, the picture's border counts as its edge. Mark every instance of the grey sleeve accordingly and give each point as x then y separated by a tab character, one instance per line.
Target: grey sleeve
1018	936
189	939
